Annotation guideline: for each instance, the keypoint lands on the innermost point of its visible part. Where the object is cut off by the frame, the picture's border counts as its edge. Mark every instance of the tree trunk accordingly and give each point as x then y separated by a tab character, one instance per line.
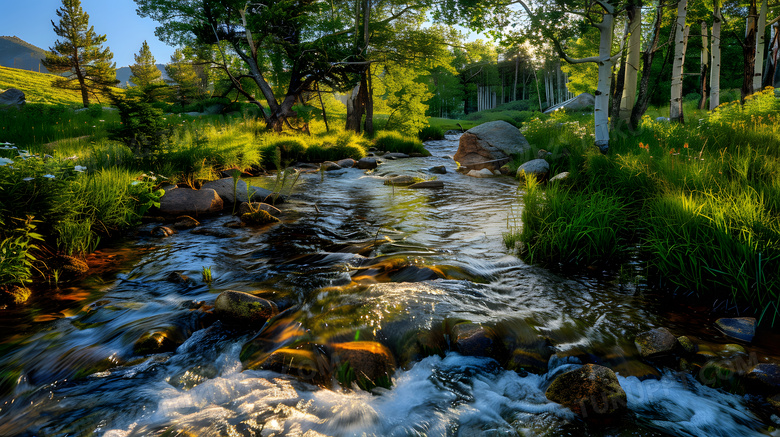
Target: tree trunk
368	127
617	93
680	44
643	98
758	67
749	51
705	61
715	62
632	60
771	61
354	110
514	86
324	112
601	107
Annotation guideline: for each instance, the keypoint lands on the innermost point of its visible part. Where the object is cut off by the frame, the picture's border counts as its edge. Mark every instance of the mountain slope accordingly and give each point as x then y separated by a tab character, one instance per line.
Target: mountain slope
16	53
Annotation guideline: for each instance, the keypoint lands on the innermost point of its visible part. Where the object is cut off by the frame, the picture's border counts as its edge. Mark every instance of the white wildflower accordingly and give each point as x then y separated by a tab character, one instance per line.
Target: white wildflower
49	176
5	161
28	179
79	168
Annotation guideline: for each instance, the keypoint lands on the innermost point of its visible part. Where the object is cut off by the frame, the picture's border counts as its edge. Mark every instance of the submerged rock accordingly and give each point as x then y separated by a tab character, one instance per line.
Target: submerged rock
439	169
162	231
401	180
427	184
764	378
185	222
194	376
258	218
475	340
367	363
306	365
395	155
656	344
329	166
741	328
237	307
161	340
484	173
346	163
592	392
490	145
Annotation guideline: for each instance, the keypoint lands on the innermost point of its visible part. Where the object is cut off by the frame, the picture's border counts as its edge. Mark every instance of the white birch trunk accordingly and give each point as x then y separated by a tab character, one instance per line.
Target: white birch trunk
680	39
632	64
715	62
601	106
758	67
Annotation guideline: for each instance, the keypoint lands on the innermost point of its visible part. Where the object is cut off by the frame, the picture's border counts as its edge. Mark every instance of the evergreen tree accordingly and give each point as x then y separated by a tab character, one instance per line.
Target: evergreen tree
145	71
183	78
80	54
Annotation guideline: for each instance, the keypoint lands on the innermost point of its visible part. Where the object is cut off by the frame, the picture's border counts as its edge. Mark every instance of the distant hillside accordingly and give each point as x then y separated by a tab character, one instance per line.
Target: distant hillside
37	87
123	75
16	53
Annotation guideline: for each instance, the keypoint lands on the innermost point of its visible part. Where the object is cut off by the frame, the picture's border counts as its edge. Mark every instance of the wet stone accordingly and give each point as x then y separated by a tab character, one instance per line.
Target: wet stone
592	392
367	163
194	376
162	231
401	180
395	155
764	378
329	166
185	222
740	328
474	340
306	365
439	169
687	344
726	373
427	184
258	218
367	363
531	358
159	341
636	368
239	308
178	278
656	343
346	163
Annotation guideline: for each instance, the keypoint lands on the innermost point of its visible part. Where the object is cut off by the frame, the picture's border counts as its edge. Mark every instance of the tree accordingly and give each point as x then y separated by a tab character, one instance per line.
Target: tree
680	44
80	53
145	71
184	79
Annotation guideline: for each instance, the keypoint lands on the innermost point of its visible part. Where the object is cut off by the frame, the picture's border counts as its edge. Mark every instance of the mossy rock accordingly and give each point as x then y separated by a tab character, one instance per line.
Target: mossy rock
592	392
687	345
258	218
165	339
420	343
185	222
308	365
656	344
368	363
239	308
725	373
14	294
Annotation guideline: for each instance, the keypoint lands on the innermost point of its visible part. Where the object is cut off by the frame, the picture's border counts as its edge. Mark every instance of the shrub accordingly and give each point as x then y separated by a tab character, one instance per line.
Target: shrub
391	141
431	133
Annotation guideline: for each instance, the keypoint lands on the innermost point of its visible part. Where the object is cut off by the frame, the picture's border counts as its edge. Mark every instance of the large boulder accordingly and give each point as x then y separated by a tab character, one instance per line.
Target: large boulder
582	101
490	145
12	97
592	392
186	201
224	187
367	163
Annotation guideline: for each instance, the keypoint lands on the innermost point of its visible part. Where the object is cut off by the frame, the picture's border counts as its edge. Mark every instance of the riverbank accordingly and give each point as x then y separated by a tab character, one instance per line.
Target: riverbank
696	206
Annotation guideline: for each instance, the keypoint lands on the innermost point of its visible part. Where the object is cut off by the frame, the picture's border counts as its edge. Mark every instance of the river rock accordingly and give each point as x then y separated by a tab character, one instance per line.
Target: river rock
246	207
224	188
764	378
186	201
578	103
12	97
329	166
367	163
687	345
306	365
560	177
741	328
490	145
401	180
258	218
474	340
239	308
656	343
395	155
162	231
161	340
726	373
592	392
368	363
185	222
427	184
483	173
531	358
539	168
439	169
346	163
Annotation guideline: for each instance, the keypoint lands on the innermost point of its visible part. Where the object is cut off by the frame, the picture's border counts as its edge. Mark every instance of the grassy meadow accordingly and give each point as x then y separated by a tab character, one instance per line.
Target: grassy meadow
37	87
695	205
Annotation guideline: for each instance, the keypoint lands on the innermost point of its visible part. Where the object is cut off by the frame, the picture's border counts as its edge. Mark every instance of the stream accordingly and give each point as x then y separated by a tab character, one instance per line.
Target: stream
351	259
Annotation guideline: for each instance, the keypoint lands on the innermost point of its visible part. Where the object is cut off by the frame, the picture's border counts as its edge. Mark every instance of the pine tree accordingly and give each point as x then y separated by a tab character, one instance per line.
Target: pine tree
145	71
184	78
80	53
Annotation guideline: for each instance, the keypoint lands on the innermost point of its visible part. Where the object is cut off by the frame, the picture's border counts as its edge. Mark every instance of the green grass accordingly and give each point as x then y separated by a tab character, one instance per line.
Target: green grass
391	141
37	88
700	202
316	148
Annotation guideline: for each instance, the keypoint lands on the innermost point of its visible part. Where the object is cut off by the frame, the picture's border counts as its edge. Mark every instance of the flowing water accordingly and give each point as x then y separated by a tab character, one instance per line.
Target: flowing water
352	259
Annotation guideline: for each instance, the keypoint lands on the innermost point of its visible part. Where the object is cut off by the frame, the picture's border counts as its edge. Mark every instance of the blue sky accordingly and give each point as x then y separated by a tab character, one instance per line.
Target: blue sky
125	31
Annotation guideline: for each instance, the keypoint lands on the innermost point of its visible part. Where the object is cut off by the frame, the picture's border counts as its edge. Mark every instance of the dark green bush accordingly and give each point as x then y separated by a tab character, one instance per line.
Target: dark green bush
431	133
391	141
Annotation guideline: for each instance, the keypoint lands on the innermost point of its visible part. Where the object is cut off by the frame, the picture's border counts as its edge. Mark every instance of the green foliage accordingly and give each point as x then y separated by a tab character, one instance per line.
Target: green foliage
391	141
431	133
35	124
142	128
328	147
145	71
37	87
16	261
80	53
405	96
187	84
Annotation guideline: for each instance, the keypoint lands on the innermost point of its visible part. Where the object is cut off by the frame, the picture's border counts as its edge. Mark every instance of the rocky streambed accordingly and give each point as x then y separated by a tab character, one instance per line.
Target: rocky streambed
371	308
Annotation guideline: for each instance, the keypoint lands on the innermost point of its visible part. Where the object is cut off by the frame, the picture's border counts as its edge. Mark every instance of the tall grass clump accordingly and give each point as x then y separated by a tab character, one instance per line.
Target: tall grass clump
571	228
700	202
38	124
391	141
316	148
